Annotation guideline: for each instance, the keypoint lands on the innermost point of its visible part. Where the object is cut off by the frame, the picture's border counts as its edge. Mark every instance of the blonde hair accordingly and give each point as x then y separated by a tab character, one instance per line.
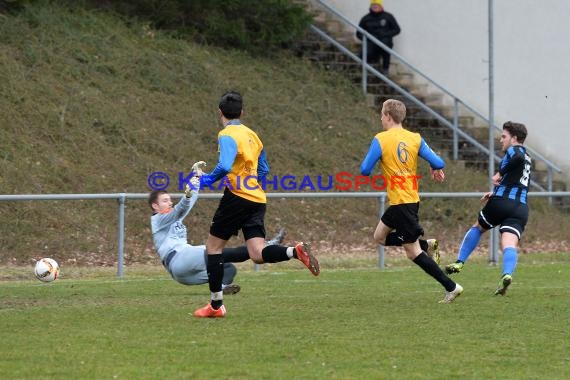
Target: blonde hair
395	109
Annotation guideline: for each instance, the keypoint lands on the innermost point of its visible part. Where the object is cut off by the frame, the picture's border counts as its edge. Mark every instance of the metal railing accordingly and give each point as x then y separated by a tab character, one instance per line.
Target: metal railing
121	199
454	126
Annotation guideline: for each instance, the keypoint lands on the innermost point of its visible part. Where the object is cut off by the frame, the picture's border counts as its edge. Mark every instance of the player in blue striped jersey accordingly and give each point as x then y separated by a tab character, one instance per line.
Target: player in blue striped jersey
506	206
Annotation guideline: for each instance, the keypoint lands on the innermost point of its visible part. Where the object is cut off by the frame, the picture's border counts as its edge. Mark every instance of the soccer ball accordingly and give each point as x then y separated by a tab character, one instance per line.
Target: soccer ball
46	270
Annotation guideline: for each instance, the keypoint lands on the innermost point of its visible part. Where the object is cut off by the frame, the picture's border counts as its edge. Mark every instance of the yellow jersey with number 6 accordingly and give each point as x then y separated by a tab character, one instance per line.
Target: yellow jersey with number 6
399	163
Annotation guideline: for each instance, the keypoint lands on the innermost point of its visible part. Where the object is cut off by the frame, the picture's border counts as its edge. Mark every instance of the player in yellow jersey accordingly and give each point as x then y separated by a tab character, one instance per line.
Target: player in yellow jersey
397	150
242	161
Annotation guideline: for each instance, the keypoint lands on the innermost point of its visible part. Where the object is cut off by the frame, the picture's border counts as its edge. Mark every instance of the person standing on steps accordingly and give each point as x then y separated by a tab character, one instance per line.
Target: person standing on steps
384	27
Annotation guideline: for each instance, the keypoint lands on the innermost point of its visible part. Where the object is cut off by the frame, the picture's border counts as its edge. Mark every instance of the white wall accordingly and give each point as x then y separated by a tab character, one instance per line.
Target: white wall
448	40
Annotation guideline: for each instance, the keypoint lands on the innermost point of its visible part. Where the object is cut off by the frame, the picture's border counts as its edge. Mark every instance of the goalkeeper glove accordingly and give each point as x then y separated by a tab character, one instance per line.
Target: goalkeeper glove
195	181
197	168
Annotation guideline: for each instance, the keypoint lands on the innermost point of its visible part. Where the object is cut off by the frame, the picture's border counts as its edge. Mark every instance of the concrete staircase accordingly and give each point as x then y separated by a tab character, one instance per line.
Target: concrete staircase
319	51
314	48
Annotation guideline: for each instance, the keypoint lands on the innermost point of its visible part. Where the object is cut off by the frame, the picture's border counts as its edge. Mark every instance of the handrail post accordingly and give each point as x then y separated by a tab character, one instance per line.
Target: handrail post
549	183
364	60
121	235
381	247
494	236
456	125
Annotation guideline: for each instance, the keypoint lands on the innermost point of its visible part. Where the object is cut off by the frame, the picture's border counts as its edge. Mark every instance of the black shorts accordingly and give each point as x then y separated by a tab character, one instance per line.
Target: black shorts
404	219
510	214
236	213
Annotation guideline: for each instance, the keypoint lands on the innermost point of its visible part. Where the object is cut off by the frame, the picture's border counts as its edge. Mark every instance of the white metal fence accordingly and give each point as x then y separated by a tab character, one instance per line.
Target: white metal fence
121	199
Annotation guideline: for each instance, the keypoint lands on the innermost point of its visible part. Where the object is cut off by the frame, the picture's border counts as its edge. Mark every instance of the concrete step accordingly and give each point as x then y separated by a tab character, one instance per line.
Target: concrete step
559	186
404	80
419	90
466	121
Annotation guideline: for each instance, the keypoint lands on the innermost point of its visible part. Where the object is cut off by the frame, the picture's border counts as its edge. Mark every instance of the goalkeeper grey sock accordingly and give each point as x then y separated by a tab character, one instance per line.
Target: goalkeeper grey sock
230	272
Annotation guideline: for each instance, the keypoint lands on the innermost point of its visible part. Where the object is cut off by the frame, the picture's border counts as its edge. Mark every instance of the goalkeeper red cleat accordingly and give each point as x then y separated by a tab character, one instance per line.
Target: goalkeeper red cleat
305	256
209	312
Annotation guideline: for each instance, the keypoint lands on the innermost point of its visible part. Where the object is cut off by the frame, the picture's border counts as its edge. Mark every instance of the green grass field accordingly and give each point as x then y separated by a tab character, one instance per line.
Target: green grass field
285	324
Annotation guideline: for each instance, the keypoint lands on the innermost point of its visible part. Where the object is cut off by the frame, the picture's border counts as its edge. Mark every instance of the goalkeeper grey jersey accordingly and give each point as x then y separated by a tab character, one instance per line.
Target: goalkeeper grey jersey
168	231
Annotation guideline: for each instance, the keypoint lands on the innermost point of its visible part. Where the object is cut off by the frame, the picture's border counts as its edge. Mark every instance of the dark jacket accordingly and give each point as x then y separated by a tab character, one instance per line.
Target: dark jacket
381	25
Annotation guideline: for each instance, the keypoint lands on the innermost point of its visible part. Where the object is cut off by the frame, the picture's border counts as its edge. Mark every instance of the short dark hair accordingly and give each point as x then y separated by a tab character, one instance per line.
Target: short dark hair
153	196
516	129
231	105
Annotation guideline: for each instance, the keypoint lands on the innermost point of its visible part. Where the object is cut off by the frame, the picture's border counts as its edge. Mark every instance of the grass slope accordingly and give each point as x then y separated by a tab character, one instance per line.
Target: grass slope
91	103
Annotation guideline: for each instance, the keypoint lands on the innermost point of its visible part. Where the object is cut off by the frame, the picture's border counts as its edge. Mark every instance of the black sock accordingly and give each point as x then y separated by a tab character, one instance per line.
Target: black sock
215	267
430	267
274	254
392	240
235	255
423	244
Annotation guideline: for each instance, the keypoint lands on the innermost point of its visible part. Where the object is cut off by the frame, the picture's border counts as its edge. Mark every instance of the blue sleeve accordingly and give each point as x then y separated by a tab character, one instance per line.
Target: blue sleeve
228	153
262	165
435	162
513	157
372	157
